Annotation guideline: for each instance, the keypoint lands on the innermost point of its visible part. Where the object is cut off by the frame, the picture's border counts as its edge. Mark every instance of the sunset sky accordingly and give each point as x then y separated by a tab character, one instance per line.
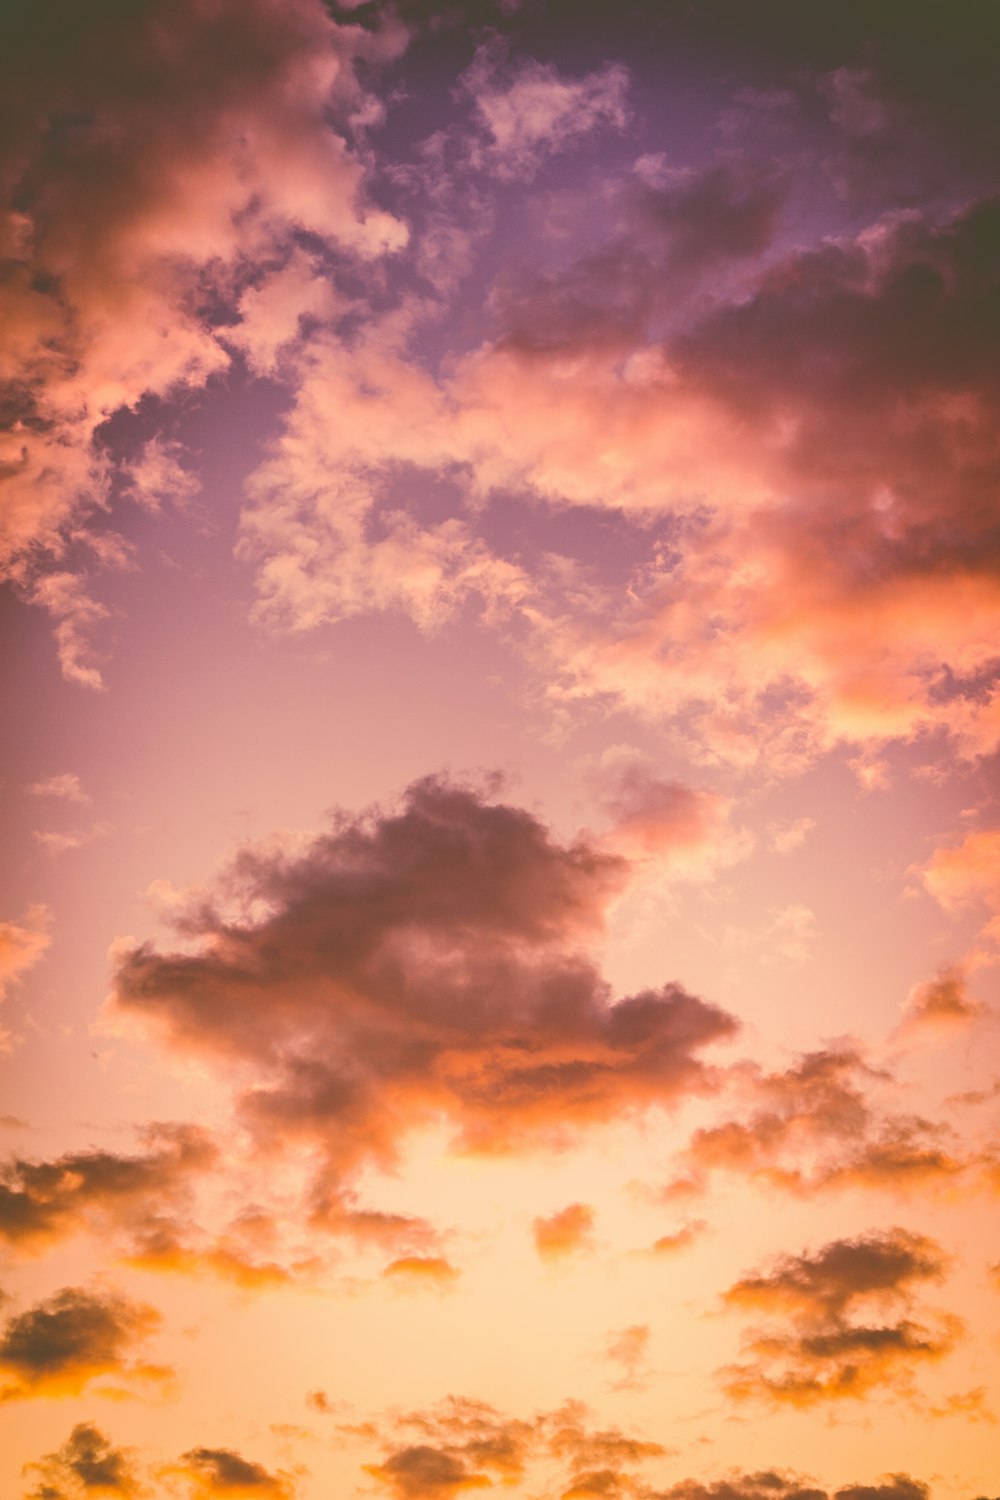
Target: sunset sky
500	926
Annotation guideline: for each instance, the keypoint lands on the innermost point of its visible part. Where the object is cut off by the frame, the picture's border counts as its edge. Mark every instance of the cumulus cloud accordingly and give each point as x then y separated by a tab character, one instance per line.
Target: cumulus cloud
939	1007
814	1126
152	160
820	1352
74	1341
224	1474
466	1444
565	1232
42	1202
829	576
415	964
87	1465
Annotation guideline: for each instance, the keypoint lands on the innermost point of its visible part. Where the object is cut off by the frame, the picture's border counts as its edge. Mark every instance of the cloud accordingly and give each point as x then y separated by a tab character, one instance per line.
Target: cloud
529	111
466	1444
826	570
628	1349
437	952
223	1474
814	1126
966	877
155	166
680	828
73	1341
157	478
162	1248
670	1244
88	1464
429	1270
566	1232
22	945
939	1007
770	1484
43	1202
421	1471
66	787
763	1485
56	842
821	1353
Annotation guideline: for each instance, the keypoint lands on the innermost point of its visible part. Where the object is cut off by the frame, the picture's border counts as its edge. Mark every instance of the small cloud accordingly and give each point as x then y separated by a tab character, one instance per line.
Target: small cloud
78	838
670	1244
431	1270
67	787
22	945
628	1349
531	111
787	834
223	1474
565	1233
939	1007
87	1464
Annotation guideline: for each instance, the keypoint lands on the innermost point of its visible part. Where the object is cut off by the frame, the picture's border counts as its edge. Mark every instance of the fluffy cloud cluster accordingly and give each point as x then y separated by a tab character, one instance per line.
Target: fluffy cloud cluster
815	1126
821	1352
414	965
831	570
157	161
89	1465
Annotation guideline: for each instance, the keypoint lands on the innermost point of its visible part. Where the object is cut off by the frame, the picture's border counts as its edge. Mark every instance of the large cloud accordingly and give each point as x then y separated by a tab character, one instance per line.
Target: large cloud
416	964
830	569
157	159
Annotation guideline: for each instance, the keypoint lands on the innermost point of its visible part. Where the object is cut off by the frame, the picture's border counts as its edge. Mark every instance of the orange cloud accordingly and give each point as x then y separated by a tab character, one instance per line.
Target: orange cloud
825	1355
813	1127
22	945
566	1232
88	1464
74	1341
223	1474
438	949
940	1006
41	1202
430	1269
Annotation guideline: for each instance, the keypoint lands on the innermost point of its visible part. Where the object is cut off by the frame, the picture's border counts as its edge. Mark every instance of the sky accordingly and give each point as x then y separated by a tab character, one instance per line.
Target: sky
500	916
